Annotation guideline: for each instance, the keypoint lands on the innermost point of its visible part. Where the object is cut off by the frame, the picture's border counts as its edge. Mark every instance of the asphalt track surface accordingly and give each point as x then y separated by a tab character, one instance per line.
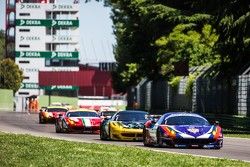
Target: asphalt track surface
25	123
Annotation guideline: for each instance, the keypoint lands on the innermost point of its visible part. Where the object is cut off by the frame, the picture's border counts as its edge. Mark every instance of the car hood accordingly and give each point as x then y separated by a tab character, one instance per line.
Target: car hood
86	120
130	125
190	130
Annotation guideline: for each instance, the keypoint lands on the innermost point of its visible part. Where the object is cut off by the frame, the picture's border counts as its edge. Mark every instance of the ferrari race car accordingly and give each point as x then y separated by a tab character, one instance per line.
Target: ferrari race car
49	114
180	129
123	125
81	120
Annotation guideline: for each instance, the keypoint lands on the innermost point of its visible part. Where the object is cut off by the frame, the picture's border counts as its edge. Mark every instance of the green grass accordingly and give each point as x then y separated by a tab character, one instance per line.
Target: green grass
238	135
6	100
26	150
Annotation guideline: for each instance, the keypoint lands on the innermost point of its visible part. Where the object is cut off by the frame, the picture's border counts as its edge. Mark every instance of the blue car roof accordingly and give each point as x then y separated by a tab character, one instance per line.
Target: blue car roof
133	111
181	113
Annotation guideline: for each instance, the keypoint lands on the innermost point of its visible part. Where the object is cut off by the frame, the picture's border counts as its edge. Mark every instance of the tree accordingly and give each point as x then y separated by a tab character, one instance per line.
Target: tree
137	25
231	19
2	44
149	34
187	43
11	75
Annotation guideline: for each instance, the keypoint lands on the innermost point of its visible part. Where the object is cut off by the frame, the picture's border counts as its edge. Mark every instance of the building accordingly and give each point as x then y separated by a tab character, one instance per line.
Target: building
46	39
45	34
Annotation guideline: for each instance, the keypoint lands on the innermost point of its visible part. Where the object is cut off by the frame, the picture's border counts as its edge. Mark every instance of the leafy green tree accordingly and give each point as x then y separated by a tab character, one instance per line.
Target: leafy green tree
10	74
231	19
137	25
185	43
156	33
2	44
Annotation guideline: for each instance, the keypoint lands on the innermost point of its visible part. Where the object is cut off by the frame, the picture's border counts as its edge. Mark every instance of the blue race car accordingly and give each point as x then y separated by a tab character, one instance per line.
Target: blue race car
181	129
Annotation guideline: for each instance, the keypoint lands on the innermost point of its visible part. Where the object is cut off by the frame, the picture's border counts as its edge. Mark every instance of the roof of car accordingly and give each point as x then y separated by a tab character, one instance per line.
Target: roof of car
133	111
181	114
82	110
60	107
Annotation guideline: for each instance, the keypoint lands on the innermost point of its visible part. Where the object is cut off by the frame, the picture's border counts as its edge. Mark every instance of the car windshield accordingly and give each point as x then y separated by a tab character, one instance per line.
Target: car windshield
82	114
186	120
130	116
108	113
57	110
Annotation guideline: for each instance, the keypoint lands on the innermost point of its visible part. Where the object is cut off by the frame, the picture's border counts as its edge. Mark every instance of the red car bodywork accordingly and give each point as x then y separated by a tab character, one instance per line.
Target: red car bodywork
78	121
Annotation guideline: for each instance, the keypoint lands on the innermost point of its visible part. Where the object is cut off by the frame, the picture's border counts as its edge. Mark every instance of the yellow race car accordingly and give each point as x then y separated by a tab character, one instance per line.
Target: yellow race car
124	125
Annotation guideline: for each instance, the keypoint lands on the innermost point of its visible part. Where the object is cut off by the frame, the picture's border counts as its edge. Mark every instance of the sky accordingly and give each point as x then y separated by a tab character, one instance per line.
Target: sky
96	34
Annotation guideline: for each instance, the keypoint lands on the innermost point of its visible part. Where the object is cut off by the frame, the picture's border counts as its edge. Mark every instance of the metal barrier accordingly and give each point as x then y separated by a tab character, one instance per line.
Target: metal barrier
231	123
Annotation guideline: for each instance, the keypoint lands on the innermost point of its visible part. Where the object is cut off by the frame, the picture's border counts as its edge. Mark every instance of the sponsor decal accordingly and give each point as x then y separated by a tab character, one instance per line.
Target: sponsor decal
53	23
30	38
30	6
47	23
49	55
29	86
65	6
61	38
22	22
61	87
193	130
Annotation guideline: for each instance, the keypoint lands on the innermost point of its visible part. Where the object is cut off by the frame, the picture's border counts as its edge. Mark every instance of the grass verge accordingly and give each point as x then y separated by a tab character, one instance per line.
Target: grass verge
238	135
26	150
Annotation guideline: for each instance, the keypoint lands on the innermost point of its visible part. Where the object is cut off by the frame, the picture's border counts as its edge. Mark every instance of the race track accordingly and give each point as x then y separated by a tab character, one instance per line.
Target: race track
24	123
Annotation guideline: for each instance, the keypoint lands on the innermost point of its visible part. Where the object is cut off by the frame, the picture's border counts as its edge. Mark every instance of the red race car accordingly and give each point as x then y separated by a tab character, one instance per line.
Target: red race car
81	120
50	113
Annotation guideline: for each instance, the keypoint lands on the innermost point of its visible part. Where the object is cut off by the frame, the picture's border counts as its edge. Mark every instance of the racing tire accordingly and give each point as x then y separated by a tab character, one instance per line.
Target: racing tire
109	136
103	135
41	121
219	145
159	138
58	129
145	143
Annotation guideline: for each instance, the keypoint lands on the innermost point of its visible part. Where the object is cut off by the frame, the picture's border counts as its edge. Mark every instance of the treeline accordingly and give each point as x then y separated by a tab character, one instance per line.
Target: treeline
11	76
153	35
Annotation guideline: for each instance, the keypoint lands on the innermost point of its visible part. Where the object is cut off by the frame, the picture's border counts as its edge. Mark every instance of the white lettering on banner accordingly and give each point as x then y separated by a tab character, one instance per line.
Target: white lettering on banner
53	23
64	54
22	22
32	54
22	86
53	55
33	22
61	87
64	87
22	54
61	23
31	85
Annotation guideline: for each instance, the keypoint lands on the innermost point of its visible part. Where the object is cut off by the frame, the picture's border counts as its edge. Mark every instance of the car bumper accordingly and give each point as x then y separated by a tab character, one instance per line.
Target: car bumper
202	143
127	135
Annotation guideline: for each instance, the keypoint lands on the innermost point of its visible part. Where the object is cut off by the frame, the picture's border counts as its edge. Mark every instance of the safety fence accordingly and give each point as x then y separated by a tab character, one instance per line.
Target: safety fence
224	99
230	123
